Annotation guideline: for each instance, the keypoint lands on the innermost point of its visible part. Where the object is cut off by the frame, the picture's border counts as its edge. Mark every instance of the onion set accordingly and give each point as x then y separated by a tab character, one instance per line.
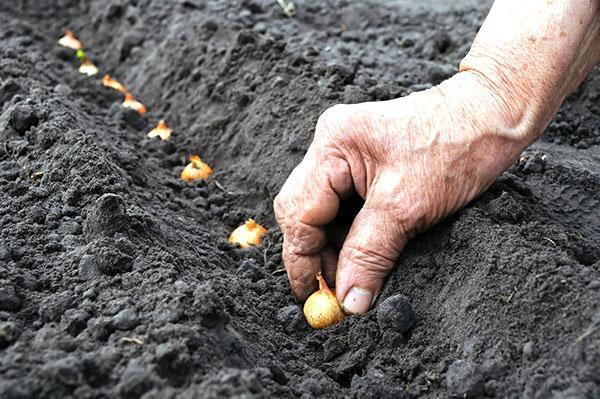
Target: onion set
161	130
250	233
70	41
131	102
87	67
108	81
322	308
196	170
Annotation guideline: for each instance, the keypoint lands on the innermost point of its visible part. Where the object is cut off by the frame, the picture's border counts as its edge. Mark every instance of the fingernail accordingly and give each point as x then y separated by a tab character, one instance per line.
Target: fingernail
357	301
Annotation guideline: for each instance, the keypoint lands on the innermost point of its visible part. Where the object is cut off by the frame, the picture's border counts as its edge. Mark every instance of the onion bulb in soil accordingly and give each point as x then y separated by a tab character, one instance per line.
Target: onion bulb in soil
250	233
69	40
113	83
131	102
87	67
322	308
161	130
196	170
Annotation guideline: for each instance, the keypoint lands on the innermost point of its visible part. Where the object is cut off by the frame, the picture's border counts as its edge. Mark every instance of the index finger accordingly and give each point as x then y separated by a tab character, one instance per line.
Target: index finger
309	200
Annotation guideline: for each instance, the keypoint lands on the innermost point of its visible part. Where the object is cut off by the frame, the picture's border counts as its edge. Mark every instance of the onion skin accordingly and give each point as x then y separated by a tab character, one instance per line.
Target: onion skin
322	308
88	68
196	170
161	130
131	102
248	234
69	40
112	83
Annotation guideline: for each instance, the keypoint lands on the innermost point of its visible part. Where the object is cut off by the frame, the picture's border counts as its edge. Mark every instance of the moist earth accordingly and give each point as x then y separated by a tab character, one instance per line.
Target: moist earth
117	280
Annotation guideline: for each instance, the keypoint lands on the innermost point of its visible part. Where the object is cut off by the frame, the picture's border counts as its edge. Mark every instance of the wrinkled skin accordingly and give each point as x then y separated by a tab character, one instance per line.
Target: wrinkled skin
417	159
413	160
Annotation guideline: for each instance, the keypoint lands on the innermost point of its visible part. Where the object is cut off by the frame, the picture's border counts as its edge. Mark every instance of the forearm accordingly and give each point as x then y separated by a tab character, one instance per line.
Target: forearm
532	54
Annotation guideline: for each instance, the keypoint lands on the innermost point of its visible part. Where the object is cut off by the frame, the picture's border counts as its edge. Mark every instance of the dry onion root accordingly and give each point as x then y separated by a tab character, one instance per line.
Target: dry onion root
161	130
196	170
322	308
131	102
250	233
70	41
113	83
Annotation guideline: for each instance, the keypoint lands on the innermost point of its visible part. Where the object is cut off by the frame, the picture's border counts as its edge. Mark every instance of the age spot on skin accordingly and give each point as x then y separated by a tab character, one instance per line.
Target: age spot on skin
563	33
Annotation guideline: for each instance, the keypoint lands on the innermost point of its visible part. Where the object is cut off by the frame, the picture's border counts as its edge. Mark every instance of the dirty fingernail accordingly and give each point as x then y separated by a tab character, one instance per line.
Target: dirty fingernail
357	301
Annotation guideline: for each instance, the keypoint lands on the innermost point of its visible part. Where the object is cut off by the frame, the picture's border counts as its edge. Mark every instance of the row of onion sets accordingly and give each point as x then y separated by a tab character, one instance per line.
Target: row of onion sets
321	309
246	235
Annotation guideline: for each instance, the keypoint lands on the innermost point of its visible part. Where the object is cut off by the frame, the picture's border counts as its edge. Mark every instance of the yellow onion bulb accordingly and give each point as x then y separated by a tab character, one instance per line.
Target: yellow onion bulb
69	40
108	81
196	170
322	308
248	234
161	130
87	67
131	102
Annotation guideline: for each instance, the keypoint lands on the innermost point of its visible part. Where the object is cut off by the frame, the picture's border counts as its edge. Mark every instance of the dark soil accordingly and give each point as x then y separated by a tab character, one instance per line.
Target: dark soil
117	279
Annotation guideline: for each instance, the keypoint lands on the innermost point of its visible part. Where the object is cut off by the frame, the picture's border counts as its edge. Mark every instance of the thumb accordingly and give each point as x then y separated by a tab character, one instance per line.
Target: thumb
368	255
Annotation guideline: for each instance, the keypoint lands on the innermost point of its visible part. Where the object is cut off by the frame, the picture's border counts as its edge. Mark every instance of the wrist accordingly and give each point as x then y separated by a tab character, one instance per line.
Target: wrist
492	114
531	55
527	105
504	108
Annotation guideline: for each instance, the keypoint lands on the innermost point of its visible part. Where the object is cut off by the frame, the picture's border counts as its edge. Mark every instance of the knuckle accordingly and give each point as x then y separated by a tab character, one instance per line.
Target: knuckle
304	239
337	109
330	115
371	261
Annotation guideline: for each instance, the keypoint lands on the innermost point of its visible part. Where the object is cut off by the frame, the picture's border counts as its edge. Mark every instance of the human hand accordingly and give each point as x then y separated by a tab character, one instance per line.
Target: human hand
417	159
414	160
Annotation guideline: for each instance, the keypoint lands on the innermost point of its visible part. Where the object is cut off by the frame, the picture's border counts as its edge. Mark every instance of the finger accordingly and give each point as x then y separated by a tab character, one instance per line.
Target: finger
369	253
301	246
308	200
302	275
